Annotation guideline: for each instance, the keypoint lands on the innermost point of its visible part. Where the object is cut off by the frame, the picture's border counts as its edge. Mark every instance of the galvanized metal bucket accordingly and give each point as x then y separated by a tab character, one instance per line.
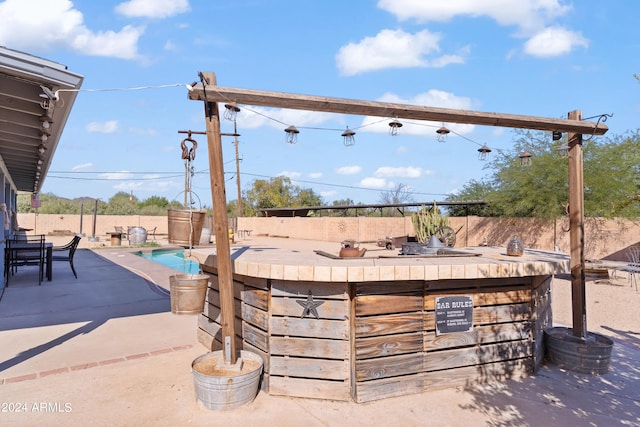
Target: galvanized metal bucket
185	226
227	390
188	293
137	236
589	356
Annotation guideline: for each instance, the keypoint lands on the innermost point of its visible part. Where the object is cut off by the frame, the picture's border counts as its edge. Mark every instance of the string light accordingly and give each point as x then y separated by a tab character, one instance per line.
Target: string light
292	134
394	125
349	137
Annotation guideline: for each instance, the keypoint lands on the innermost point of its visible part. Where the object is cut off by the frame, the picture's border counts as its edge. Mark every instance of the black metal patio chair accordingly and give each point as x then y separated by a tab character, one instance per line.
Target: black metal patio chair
70	249
25	251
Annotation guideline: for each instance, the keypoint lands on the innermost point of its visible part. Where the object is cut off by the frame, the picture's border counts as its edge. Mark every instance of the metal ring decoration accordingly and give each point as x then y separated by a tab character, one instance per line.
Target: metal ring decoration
188	153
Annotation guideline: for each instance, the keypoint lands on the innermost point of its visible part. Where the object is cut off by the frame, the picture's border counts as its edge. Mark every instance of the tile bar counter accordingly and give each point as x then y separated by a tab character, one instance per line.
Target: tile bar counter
384	325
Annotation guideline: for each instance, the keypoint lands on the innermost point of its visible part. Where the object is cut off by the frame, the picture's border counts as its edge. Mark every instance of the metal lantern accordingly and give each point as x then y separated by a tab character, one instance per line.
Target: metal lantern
525	159
394	125
442	133
483	152
349	137
292	134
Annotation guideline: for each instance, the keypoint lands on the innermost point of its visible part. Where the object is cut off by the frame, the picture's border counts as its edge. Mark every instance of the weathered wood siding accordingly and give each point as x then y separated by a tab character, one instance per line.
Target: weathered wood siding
397	351
310	357
374	340
251	306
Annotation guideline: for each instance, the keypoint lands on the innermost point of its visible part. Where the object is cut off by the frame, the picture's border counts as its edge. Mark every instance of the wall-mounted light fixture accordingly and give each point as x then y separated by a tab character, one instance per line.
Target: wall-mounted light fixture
556	136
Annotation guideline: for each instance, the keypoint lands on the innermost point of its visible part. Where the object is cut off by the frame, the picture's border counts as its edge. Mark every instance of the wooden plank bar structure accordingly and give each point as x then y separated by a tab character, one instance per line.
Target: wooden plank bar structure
308	360
375	335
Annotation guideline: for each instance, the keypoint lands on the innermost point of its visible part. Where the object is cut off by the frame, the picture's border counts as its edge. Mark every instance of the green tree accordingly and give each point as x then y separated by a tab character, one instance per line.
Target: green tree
122	203
611	178
278	192
473	191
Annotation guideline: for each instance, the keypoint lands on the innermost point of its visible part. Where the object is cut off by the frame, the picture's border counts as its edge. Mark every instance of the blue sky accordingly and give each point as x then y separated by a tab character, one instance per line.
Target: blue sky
533	57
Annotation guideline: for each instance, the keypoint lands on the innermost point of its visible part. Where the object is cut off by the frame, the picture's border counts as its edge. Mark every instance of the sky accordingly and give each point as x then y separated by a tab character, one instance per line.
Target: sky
530	57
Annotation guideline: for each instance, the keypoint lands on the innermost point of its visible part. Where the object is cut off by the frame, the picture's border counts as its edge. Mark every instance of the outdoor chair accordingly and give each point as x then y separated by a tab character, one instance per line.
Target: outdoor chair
152	232
66	253
26	251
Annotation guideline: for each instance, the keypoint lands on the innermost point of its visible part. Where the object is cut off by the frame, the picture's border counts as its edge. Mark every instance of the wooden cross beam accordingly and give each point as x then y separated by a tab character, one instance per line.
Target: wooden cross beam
213	93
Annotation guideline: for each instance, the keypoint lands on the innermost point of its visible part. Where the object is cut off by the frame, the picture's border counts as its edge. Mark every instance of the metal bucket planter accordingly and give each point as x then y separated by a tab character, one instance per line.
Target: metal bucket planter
188	292
589	356
185	226
219	388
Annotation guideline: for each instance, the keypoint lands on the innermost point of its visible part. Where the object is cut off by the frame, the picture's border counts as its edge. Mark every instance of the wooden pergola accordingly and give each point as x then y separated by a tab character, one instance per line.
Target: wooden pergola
208	92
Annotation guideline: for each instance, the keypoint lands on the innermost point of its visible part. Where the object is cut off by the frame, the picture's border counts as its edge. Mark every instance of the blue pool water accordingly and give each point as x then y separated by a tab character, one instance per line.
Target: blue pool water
173	258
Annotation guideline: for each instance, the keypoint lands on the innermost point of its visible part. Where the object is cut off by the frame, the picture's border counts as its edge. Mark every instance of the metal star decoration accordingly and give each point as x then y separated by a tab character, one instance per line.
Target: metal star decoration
309	306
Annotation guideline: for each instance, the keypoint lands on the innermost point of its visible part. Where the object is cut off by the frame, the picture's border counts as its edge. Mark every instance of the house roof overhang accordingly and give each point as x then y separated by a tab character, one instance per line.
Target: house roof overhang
33	91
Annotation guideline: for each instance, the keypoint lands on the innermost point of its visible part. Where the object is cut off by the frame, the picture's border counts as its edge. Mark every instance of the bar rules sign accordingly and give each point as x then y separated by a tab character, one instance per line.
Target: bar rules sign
454	314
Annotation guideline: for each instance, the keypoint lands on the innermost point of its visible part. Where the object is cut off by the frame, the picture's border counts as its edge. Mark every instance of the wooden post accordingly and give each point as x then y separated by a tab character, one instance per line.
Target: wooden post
220	226
576	230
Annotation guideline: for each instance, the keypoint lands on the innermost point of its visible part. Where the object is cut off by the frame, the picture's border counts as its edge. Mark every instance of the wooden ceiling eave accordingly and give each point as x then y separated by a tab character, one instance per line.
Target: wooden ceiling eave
385	109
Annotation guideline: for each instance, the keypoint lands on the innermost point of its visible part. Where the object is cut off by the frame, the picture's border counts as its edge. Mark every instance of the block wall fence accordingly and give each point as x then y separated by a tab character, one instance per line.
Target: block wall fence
603	238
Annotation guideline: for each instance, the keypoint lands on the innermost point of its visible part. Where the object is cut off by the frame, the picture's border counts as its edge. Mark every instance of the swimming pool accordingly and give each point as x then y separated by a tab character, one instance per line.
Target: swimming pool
172	258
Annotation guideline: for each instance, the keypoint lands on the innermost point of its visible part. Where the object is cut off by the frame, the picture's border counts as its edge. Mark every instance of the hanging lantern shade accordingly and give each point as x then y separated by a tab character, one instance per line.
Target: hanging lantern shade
483	152
292	134
525	158
563	151
442	133
394	125
349	137
231	111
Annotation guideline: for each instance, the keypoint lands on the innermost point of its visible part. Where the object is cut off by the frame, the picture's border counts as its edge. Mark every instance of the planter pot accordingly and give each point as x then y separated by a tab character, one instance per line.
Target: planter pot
221	389
590	356
188	292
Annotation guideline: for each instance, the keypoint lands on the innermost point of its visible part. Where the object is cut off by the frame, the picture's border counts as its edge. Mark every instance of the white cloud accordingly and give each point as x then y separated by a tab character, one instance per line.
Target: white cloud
554	41
291	175
349	170
42	25
110	126
431	98
82	166
528	15
116	176
157	9
533	19
392	49
315	175
373	182
400	172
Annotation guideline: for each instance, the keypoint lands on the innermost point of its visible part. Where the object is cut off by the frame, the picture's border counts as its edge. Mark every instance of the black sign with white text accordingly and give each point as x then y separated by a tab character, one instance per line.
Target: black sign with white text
454	314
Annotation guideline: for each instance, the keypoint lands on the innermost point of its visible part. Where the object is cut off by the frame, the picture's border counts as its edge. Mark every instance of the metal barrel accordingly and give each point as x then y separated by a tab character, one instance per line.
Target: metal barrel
185	226
590	356
188	293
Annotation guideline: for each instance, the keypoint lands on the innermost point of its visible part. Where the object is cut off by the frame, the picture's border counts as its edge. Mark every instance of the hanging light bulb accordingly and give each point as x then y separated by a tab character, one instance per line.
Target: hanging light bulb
45	122
442	133
525	159
42	149
349	137
231	111
394	125
44	137
563	151
292	134
483	152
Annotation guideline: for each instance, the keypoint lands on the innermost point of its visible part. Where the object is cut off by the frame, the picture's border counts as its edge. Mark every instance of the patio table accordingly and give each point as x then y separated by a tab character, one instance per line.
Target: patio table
20	245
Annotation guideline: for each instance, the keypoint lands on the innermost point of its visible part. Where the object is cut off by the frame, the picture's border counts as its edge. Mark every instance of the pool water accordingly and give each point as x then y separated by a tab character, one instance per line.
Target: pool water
172	258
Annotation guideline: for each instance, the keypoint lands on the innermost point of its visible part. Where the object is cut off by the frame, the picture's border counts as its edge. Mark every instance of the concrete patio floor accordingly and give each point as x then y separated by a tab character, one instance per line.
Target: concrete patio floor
105	350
